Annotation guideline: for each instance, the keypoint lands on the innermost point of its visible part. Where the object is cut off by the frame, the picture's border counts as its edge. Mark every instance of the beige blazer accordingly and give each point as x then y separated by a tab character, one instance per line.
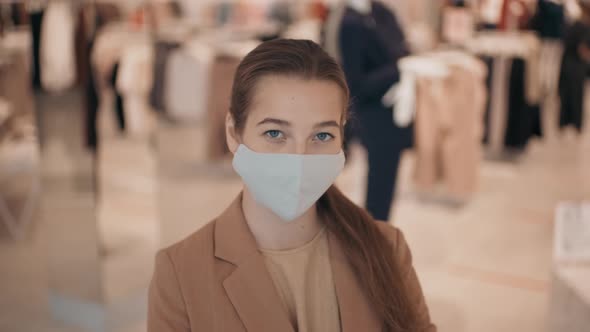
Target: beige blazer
216	280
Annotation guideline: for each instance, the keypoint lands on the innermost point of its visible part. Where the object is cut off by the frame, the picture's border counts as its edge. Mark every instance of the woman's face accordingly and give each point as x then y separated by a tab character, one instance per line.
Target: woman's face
292	115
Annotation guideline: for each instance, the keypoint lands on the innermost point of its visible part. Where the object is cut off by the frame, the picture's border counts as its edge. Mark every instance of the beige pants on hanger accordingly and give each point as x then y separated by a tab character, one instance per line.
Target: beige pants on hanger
449	127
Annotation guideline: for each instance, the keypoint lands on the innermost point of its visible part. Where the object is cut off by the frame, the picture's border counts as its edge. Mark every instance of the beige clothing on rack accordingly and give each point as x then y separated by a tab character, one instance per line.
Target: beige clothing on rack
303	279
449	127
15	91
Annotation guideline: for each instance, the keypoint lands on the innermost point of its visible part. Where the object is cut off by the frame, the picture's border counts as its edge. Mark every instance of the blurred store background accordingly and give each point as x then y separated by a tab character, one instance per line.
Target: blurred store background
112	146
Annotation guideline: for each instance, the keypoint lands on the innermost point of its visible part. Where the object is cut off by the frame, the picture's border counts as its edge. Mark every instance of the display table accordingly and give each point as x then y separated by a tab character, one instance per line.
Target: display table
570	299
570	296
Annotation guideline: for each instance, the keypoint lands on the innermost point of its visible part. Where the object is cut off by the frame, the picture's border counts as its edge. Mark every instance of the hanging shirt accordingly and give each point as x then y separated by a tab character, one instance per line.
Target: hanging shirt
303	279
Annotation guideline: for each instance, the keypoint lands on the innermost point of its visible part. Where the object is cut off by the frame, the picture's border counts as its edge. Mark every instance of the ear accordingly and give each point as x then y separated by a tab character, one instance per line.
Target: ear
230	134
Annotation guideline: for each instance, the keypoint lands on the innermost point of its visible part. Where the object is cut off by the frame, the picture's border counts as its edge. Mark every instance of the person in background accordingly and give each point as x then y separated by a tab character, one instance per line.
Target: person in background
291	253
575	65
371	42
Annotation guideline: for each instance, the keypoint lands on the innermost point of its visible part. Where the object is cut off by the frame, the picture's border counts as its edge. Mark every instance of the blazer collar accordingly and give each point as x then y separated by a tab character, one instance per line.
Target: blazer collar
252	292
250	287
234	242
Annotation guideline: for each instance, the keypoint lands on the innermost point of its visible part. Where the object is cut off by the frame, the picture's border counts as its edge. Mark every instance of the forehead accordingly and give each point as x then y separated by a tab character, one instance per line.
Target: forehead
297	100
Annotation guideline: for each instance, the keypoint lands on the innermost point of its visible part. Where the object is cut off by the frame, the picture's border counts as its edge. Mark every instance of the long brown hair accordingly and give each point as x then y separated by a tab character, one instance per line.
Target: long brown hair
367	249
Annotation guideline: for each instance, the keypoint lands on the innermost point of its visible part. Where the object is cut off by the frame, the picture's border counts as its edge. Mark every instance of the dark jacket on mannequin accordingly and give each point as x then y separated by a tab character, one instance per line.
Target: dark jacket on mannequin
371	45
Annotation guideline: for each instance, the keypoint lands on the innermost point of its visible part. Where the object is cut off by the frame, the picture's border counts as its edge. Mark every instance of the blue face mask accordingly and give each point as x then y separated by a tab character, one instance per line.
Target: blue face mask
287	184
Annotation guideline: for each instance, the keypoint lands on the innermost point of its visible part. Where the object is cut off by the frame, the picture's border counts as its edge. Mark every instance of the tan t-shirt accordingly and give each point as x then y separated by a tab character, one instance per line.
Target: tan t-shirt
303	279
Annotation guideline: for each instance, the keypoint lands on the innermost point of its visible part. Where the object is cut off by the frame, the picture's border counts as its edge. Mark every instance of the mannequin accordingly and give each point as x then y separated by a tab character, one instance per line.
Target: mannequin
371	41
361	6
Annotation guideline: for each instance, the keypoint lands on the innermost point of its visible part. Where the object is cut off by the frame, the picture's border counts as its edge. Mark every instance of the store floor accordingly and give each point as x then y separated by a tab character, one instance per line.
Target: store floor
485	266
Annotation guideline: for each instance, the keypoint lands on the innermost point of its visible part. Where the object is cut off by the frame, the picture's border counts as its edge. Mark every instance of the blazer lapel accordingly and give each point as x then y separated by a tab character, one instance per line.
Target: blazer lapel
356	313
250	287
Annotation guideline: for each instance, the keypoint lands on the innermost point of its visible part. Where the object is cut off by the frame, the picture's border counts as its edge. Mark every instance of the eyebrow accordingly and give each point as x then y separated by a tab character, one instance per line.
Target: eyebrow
285	123
327	124
274	121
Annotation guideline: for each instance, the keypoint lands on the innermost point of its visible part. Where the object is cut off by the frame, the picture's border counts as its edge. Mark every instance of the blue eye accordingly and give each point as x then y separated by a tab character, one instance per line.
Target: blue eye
274	134
324	137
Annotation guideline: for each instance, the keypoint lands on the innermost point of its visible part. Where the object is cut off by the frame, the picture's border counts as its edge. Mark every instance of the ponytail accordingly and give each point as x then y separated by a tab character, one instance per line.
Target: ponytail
372	258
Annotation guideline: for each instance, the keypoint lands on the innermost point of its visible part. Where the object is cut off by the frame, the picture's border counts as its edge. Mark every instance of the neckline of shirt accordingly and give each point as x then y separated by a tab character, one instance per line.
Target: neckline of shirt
292	251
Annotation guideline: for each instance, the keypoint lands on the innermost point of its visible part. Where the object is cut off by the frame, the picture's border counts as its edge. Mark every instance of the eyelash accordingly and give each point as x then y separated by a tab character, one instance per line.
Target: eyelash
330	137
268	134
281	136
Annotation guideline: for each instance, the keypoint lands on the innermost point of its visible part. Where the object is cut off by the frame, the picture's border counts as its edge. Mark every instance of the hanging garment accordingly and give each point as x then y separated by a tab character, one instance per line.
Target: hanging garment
524	118
515	93
549	23
109	46
94	16
84	34
549	63
36	19
15	87
119	107
449	128
90	18
93	103
572	76
187	78
549	19
134	83
167	40
163	50
58	63
135	78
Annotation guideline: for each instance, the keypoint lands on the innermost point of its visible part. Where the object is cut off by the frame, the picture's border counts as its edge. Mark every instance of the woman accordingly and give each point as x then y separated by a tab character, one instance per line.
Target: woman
291	253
